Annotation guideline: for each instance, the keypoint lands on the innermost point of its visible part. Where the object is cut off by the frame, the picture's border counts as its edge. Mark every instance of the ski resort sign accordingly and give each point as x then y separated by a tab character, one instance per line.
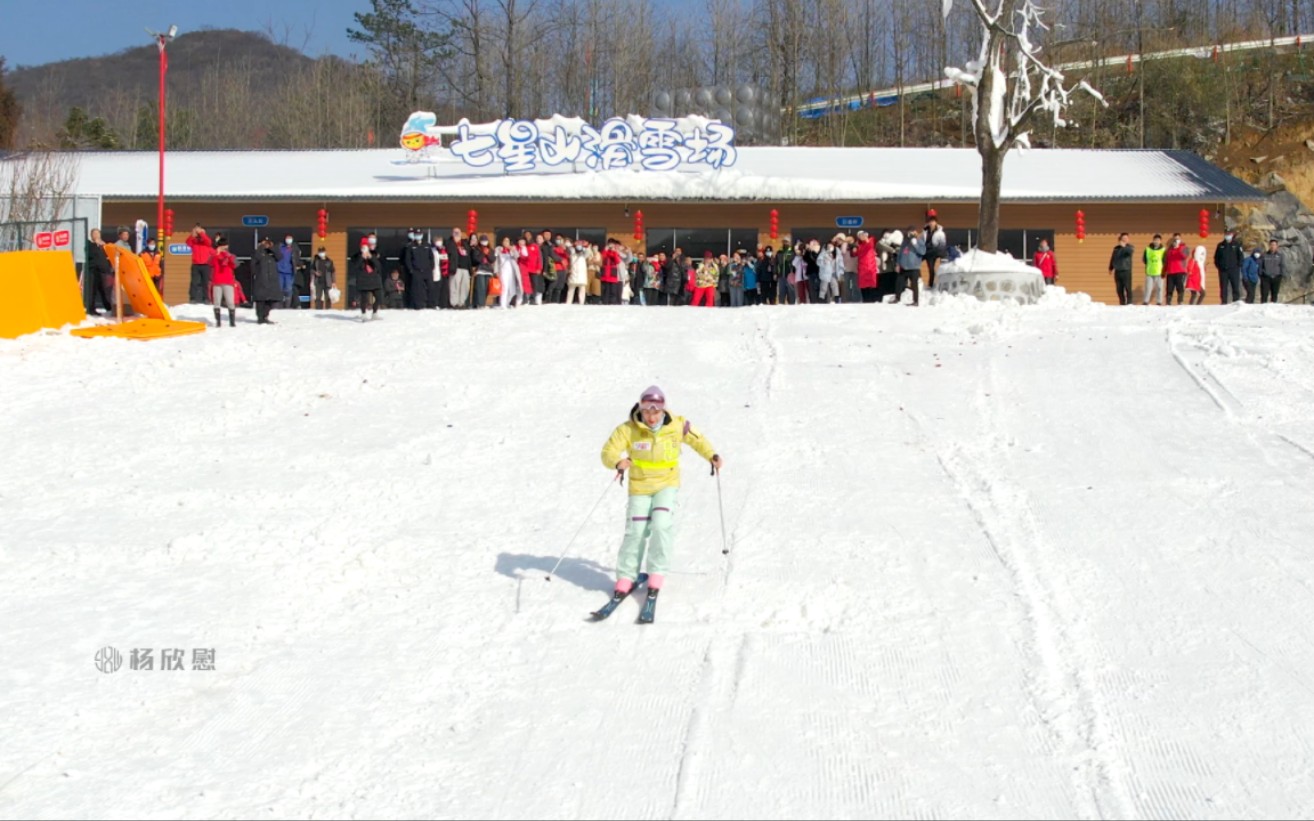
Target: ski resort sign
525	146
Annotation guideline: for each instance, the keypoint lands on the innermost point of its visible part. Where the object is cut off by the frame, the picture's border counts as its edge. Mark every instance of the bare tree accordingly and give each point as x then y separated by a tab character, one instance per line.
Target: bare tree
1011	87
37	186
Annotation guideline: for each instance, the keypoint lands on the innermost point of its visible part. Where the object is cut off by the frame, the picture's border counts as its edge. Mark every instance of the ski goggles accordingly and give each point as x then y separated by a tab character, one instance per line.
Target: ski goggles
652	406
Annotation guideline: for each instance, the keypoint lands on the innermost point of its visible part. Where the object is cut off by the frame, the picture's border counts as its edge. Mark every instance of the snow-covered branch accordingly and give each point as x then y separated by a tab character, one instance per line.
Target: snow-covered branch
1013	97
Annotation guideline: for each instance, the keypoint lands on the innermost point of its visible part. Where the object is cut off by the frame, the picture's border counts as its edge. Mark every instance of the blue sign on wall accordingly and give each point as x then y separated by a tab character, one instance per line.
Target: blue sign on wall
255	221
181	249
848	222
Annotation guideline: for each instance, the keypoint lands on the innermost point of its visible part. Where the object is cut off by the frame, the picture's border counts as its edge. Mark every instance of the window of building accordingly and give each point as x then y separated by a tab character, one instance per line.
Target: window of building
696	241
391	243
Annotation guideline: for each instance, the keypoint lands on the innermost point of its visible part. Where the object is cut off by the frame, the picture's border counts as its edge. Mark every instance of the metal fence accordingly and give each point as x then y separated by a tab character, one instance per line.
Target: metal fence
23	236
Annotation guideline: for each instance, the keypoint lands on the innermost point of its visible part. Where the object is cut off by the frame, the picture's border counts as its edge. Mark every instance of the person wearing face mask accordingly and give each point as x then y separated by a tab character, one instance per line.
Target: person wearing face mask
266	290
1043	259
417	271
579	272
323	277
647	446
150	257
1250	268
482	255
289	260
1228	258
366	270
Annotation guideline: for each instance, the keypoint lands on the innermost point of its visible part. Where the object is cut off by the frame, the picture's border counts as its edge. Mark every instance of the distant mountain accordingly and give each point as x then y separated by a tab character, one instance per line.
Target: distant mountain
134	73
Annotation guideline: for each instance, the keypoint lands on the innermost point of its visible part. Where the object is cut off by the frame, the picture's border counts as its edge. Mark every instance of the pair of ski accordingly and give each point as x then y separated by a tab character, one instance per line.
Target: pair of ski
646	615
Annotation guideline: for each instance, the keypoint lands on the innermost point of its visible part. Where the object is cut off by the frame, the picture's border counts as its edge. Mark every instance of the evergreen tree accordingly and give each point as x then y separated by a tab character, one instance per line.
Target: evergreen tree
404	48
83	131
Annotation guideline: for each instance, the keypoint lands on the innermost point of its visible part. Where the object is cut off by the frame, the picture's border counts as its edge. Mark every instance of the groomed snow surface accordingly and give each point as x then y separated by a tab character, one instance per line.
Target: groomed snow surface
986	561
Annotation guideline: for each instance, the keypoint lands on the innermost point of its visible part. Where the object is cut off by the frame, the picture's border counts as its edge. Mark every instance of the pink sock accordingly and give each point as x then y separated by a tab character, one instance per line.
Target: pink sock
624	586
655	581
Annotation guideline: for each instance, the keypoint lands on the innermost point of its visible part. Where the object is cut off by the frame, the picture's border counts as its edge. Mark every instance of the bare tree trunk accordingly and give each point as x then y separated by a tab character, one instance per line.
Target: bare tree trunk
992	180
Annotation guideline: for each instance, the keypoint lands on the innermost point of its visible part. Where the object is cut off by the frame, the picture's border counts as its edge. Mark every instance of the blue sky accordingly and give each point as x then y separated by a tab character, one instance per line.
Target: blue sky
41	32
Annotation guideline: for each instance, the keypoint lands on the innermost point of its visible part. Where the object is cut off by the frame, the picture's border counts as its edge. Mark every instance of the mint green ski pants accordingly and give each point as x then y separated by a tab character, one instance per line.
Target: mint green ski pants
648	516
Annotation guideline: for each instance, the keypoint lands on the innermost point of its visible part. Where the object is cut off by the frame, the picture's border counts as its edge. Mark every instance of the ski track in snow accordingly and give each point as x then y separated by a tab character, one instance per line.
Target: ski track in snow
1061	682
984	562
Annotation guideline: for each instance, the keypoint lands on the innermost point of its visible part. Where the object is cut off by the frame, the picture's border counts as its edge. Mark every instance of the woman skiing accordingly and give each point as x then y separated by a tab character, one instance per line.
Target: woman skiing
648	445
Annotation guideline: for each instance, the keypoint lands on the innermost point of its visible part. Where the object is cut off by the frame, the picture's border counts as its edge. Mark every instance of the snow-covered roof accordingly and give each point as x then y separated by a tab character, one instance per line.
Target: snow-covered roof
761	174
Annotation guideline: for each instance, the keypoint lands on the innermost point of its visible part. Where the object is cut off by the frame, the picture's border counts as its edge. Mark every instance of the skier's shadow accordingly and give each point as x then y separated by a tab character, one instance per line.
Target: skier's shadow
583	573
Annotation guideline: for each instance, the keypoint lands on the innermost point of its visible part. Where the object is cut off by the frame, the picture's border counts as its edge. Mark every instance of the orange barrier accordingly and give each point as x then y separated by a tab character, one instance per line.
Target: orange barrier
38	290
135	280
142	329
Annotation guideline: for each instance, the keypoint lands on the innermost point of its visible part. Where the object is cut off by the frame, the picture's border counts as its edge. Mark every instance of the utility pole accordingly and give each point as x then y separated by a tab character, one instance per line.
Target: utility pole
1140	67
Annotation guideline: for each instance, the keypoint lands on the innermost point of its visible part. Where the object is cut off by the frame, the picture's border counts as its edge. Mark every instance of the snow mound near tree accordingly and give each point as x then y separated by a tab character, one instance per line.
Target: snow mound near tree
991	277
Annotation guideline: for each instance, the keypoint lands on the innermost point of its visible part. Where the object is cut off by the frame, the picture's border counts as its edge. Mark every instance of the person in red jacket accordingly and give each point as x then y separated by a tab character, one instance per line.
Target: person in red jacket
531	269
202	255
224	282
1174	268
1044	260
1195	275
610	278
868	268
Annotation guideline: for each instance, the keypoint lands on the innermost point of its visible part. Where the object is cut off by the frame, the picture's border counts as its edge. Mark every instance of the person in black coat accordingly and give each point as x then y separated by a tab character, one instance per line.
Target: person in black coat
95	272
364	267
266	289
417	268
766	275
673	277
1228	257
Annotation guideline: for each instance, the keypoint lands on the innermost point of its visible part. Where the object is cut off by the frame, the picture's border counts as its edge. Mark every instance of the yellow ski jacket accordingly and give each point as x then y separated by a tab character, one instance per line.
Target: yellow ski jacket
656	456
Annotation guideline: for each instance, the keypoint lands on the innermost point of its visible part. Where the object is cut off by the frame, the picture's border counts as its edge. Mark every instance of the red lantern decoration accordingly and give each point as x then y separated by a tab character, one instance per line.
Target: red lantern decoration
1081	226
471	222
1204	223
775	224
168	222
321	217
638	225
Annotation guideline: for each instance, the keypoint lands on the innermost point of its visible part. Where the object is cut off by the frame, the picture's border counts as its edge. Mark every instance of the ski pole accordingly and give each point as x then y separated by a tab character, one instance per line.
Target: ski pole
620	475
725	547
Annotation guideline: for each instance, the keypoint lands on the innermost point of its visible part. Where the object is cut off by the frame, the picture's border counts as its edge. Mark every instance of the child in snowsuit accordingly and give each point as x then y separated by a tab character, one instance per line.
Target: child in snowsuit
648	446
394	290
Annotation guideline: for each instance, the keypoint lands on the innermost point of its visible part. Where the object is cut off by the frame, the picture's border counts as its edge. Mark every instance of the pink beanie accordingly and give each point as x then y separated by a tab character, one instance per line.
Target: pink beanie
653	394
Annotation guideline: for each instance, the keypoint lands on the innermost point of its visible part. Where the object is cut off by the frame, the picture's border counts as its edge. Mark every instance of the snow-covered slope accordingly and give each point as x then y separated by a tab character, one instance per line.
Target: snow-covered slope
987	561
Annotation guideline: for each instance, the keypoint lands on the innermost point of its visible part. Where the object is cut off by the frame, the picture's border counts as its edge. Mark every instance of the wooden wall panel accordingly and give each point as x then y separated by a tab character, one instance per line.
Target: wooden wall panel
1083	266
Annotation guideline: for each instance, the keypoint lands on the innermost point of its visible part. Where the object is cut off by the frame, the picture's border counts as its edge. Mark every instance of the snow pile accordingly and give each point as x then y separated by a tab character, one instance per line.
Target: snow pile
985	561
990	277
